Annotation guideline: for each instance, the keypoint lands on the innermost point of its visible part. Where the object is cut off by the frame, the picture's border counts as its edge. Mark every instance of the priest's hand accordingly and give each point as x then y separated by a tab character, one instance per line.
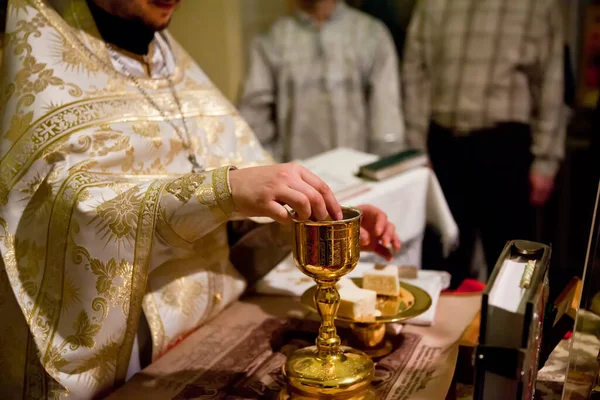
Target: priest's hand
262	192
377	234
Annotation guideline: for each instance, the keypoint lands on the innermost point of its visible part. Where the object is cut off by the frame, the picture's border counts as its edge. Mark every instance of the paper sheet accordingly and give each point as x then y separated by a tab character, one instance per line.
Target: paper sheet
507	292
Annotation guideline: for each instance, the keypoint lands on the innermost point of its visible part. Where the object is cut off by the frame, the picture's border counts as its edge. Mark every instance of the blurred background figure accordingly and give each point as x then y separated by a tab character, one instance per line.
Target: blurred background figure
395	14
484	93
323	78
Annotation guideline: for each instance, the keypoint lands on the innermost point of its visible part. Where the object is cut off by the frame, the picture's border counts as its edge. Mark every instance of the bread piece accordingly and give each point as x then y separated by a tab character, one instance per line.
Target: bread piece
383	281
345	282
408	272
356	304
389	305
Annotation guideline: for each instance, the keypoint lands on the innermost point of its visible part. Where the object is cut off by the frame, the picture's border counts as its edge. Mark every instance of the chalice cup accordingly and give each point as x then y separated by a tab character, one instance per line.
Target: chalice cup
326	251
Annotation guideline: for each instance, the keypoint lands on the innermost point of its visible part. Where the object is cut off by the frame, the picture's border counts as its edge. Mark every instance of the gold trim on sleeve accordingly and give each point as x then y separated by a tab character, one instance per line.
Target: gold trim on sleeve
222	189
184	188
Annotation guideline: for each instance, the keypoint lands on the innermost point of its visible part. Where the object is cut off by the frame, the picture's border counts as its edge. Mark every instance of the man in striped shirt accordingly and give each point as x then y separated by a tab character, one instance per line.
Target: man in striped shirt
324	78
483	85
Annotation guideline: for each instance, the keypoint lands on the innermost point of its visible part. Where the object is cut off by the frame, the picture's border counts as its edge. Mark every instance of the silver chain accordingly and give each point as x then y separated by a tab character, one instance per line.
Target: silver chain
185	139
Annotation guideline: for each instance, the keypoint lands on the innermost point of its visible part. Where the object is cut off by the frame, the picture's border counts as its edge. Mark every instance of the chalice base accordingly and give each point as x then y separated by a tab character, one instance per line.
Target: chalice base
370	339
381	349
345	375
368	394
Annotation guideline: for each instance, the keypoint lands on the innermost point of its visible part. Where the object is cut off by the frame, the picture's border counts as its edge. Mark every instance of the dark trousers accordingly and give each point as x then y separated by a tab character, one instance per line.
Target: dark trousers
485	178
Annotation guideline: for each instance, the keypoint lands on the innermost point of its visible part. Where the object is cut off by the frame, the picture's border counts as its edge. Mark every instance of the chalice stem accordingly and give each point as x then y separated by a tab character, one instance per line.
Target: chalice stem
327	301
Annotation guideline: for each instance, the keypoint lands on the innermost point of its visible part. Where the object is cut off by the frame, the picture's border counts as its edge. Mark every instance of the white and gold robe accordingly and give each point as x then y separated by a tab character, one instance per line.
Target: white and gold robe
100	217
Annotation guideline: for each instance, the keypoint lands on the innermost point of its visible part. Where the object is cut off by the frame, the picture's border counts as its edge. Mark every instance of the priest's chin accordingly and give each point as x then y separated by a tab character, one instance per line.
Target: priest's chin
159	14
159	23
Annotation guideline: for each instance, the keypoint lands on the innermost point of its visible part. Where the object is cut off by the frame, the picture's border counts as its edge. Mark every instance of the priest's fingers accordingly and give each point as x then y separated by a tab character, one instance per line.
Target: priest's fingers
380	223
278	212
388	234
333	207
295	199
396	243
317	202
383	251
365	238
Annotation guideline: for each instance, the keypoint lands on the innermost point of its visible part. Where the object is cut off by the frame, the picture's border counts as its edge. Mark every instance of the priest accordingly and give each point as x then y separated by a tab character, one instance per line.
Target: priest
120	164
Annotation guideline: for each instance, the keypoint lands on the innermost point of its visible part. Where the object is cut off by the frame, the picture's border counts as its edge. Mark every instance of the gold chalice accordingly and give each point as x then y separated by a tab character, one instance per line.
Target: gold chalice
326	251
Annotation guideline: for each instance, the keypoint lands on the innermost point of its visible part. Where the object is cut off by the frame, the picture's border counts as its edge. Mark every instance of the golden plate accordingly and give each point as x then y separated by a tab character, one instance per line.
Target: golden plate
412	302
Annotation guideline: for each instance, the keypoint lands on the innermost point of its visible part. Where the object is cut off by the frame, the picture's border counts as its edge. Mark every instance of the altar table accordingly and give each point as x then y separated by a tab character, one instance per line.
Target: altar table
240	353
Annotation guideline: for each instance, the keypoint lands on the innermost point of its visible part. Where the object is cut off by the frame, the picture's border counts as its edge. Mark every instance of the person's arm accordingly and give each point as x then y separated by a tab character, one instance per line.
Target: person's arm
549	124
195	204
257	104
416	82
386	126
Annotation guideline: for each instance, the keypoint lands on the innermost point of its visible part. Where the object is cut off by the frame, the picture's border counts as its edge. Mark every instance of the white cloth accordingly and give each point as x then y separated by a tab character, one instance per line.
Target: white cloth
411	200
287	280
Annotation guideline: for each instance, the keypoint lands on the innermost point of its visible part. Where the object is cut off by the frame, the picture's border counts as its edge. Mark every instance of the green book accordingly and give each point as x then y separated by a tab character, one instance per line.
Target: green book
395	164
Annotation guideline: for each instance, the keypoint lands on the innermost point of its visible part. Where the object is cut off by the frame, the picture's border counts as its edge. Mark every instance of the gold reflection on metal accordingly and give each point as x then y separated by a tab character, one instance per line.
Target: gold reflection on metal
326	251
368	394
369	337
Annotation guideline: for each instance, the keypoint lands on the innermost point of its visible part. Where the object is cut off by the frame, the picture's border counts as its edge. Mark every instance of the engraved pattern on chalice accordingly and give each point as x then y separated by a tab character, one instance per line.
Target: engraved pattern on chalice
326	251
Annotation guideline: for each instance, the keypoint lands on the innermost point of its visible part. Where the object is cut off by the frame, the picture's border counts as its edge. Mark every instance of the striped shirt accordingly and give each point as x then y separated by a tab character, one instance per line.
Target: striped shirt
471	64
312	89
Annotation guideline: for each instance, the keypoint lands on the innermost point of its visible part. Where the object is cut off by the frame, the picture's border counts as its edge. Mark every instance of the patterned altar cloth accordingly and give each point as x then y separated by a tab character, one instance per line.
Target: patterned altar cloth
239	355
